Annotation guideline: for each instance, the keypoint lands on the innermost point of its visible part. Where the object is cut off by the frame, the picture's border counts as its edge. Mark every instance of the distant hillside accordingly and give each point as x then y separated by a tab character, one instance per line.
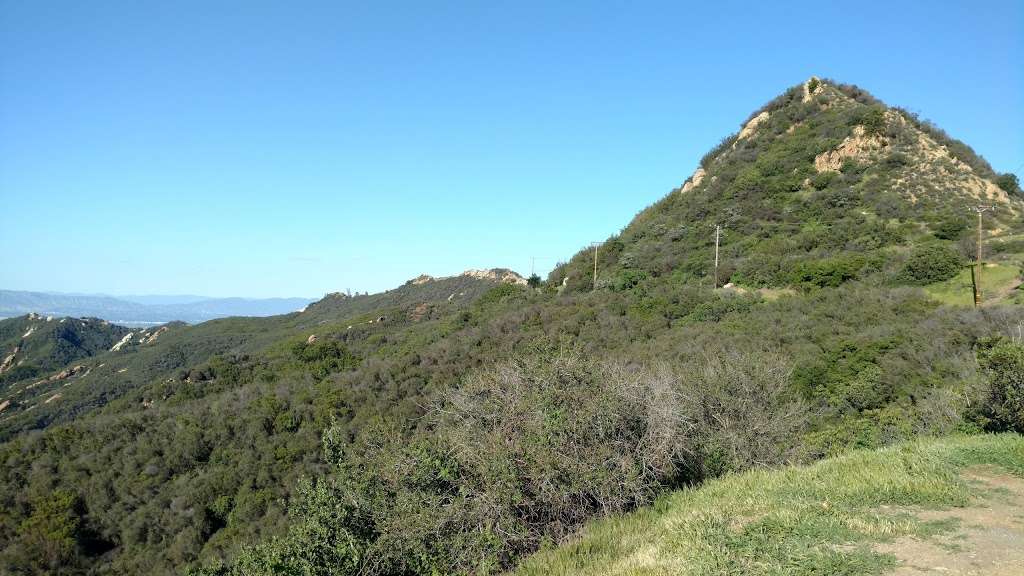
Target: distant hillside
142	309
32	346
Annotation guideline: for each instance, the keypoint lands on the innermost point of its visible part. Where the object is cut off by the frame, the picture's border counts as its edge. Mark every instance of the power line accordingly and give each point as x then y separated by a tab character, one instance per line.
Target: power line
533	262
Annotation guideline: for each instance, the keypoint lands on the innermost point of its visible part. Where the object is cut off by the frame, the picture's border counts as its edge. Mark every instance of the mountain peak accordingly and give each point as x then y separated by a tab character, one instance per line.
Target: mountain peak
823	169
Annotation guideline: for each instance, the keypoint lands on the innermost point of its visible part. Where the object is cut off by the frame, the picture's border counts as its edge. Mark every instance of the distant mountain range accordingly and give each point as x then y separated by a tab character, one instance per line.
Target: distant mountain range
142	310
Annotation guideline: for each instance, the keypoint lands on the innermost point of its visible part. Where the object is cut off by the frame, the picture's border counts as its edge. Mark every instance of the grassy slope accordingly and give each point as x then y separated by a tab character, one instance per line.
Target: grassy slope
820	519
998	281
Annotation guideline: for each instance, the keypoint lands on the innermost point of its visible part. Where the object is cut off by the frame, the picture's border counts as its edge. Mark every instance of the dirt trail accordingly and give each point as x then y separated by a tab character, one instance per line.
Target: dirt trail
989	539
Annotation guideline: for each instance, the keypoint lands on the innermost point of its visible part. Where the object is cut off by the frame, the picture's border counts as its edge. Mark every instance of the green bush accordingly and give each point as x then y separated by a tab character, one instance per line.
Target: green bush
1009	183
324	356
1003	408
628	279
323	539
50	534
931	263
829	272
950	227
501	294
873	121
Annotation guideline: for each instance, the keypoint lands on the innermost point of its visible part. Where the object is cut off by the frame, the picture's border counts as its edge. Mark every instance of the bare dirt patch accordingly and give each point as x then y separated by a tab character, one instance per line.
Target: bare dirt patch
989	539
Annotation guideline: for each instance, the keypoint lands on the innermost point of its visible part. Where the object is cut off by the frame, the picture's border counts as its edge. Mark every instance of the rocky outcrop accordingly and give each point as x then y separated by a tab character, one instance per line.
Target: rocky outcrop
62	375
695	180
858	146
950	173
421	279
419	311
120	344
751	126
8	362
152	337
812	88
496	275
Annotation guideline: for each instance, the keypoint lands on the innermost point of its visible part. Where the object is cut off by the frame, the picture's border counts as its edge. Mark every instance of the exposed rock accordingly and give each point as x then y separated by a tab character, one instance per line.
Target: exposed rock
695	180
961	175
565	282
421	279
858	146
751	126
311	339
56	396
730	287
127	338
62	375
808	93
9	360
4	405
497	275
31	329
152	337
419	312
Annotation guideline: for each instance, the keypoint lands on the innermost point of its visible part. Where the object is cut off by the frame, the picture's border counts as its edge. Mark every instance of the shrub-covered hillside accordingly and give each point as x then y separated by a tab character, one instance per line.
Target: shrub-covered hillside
456	425
32	346
821	186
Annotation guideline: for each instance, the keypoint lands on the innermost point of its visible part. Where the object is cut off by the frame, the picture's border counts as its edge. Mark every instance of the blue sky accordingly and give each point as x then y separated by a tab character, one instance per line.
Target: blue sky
296	148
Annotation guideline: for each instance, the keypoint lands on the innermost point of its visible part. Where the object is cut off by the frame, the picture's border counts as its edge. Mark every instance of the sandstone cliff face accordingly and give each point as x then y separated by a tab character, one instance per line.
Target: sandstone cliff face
751	126
695	180
859	146
493	274
496	275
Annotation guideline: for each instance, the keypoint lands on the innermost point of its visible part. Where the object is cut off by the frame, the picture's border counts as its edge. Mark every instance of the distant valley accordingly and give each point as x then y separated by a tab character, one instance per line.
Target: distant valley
142	310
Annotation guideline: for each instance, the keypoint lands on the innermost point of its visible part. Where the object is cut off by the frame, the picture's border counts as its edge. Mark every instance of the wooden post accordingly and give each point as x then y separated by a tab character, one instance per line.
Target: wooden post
718	233
978	265
974	285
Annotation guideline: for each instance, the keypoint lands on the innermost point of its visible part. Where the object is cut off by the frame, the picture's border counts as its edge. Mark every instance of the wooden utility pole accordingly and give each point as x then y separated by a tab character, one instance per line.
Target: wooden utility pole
976	268
718	234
